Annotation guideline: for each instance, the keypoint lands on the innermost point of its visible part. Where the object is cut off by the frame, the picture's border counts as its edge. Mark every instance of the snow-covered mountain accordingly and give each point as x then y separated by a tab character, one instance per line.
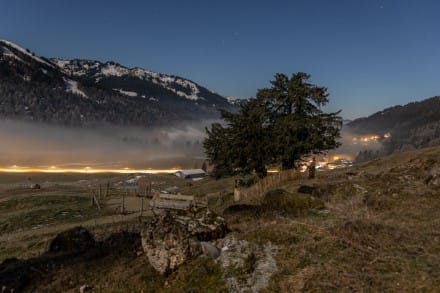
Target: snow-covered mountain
161	97
99	71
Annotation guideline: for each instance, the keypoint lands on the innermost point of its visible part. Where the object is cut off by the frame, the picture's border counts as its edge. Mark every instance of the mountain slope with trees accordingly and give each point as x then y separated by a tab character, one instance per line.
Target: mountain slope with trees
412	126
85	93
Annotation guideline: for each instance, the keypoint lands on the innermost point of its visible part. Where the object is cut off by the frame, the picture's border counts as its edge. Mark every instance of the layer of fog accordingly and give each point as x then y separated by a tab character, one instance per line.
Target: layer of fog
40	145
351	148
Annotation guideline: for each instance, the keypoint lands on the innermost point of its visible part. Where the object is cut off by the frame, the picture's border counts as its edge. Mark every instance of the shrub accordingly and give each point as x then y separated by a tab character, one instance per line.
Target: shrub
282	201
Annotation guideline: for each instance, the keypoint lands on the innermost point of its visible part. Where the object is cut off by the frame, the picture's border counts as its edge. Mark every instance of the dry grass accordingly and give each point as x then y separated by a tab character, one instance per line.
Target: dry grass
380	232
374	229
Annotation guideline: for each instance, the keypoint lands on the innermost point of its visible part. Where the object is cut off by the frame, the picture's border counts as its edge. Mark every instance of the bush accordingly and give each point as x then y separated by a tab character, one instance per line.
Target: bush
75	239
282	201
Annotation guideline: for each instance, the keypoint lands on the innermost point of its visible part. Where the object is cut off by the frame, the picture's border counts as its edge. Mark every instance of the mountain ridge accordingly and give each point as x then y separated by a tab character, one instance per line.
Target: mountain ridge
411	126
162	98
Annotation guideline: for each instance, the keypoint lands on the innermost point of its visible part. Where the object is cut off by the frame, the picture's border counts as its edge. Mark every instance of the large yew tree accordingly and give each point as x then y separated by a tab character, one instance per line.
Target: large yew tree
279	127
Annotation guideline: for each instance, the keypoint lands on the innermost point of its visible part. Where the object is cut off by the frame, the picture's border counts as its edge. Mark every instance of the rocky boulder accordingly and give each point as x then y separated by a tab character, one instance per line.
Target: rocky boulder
169	240
433	177
247	266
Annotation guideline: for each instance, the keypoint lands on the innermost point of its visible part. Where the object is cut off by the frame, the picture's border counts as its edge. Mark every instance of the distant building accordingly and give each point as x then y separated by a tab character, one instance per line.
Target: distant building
194	174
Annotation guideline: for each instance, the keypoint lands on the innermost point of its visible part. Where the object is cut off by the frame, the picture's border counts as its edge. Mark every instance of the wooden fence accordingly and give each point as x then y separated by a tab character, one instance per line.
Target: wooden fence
270	182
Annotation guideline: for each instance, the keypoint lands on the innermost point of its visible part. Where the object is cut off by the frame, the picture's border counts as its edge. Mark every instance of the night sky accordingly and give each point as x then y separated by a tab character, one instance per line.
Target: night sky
371	54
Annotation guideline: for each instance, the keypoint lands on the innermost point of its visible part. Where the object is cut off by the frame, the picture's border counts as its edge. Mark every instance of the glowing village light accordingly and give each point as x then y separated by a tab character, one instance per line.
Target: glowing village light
366	139
85	170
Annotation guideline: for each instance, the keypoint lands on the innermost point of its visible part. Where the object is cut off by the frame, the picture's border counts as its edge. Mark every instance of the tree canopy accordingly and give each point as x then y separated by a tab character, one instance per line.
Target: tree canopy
280	126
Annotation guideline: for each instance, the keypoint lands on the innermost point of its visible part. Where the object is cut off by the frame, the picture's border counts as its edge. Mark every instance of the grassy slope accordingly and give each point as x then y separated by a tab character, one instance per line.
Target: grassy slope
378	232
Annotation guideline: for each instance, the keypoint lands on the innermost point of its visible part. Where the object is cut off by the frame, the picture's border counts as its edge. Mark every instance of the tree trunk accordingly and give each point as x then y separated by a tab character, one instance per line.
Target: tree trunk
287	164
261	172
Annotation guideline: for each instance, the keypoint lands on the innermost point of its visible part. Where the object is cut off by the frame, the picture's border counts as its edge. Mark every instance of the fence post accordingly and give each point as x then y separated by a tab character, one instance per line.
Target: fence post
142	206
123	203
96	201
237	196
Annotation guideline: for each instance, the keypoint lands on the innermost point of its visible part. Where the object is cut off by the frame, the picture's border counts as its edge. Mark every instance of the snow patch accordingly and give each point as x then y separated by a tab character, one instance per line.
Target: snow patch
233	100
61	63
72	87
114	70
9	53
168	81
127	93
25	52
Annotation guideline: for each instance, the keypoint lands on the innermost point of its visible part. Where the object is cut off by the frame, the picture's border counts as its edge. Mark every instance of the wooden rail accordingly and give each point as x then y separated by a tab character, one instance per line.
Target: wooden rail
270	182
172	201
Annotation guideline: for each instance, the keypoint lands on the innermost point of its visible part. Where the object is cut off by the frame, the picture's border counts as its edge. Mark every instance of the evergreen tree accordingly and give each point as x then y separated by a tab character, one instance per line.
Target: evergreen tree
217	146
284	123
300	126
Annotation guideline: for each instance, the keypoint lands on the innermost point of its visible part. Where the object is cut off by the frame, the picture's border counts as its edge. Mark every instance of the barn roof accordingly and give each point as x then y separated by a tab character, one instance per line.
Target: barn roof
191	172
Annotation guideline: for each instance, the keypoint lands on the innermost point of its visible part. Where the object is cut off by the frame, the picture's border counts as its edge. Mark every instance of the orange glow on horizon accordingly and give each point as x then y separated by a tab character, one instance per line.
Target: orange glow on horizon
85	170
